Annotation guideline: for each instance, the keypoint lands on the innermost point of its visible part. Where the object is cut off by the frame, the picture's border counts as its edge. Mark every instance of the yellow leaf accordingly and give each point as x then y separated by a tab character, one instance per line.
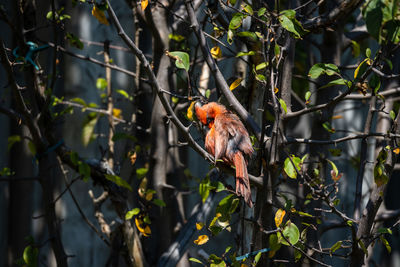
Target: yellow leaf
337	117
145	230
99	15
292	210
189	113
243	265
279	217
132	156
202	239
149	196
117	113
235	84
358	68
199	225
276	90
144	4
396	151
216	52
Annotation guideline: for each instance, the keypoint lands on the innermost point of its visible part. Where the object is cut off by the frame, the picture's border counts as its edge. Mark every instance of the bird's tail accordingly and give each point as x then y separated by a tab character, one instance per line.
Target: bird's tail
242	178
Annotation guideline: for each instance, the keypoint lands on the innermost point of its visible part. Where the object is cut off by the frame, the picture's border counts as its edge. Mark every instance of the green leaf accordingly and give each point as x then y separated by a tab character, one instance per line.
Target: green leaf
30	256
84	170
385	231
386	243
195	260
141	172
88	128
283	105
322	68
204	189
337	82
364	249
248	9
260	77
335	247
327	126
287	19
241	54
273	242
236	21
147	220
392	114
291	233
335	152
208	93
79	101
373	17
74	41
251	35
307	96
123	93
129	215
121	136
261	11
182	59
176	37
119	181
334	168
159	202
368	52
261	66
12	140
257	258
289	168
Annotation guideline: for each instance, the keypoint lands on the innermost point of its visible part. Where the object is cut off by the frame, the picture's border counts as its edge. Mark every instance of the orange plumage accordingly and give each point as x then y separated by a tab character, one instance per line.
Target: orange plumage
228	140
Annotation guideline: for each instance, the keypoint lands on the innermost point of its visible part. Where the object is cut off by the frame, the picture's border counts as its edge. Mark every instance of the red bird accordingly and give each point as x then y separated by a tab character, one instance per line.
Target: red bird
228	140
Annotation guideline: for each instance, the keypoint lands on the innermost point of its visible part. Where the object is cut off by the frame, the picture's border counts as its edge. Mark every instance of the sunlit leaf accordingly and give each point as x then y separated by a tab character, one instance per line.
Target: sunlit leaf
182	59
30	256
236	21
144	4
290	233
279	215
322	68
335	247
289	168
195	260
261	66
235	84
283	105
241	54
216	52
201	240
101	83
117	113
189	112
129	215
386	243
199	226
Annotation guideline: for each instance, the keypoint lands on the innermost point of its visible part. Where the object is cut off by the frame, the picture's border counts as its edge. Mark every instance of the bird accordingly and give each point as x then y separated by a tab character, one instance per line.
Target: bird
227	139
